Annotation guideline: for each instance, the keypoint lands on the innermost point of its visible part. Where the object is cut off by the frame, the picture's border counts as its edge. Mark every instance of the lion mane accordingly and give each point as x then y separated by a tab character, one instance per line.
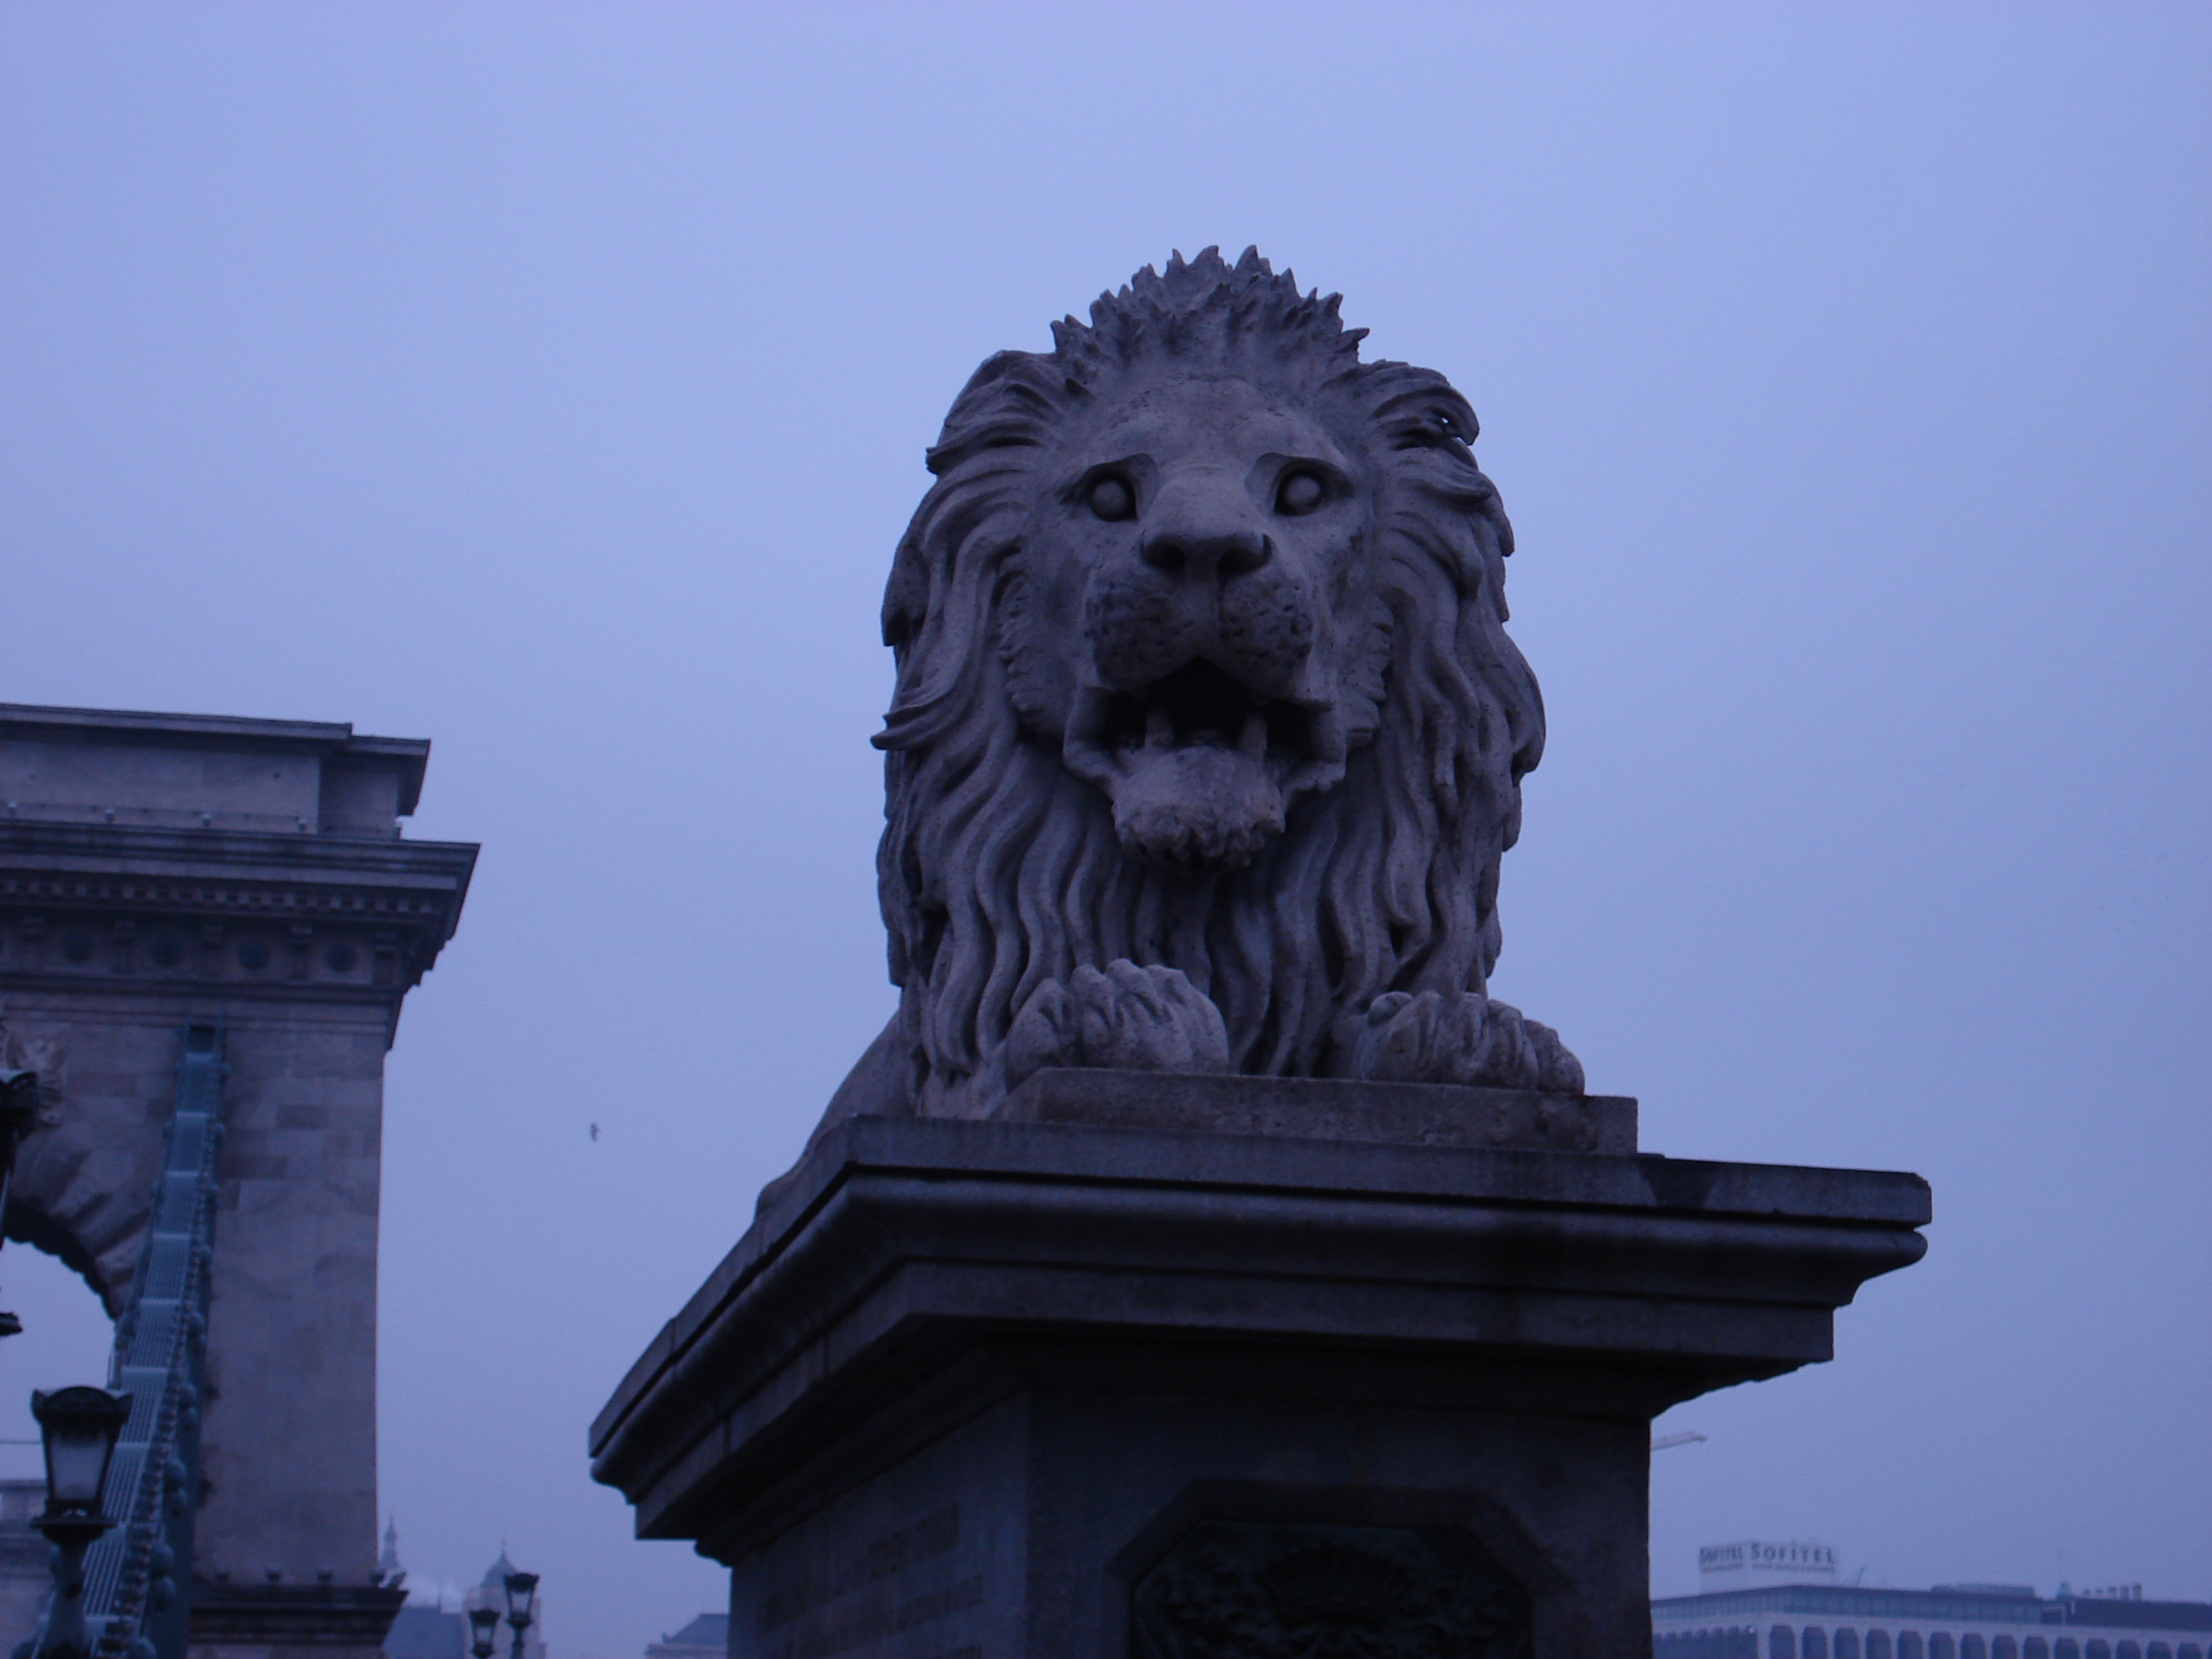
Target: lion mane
1000	868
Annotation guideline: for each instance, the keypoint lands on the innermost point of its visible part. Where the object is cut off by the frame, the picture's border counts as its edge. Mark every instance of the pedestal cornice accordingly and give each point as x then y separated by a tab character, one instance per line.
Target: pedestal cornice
915	1271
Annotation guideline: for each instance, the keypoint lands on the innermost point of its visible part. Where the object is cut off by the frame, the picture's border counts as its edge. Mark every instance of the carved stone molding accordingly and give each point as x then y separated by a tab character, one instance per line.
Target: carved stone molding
260	914
1238	1589
293	1615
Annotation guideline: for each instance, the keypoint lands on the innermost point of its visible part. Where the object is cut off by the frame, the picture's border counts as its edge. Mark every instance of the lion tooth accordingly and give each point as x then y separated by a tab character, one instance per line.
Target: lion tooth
1160	729
1253	740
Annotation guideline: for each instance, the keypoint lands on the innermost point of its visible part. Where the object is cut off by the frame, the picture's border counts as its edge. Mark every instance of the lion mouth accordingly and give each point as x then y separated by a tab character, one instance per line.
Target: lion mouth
1200	768
1199	704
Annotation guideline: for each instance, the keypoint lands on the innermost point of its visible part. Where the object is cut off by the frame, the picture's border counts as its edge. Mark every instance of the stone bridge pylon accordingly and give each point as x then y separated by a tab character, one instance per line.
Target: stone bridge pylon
214	921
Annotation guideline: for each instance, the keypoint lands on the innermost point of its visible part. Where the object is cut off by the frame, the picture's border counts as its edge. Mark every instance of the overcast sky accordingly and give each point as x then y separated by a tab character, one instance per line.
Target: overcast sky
552	382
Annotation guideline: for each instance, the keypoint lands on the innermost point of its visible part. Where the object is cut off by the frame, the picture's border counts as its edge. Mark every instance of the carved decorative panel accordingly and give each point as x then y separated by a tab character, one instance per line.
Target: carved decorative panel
1235	1590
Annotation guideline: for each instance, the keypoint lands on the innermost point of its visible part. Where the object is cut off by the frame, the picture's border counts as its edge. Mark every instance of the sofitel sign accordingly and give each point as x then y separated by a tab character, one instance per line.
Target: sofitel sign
1769	1561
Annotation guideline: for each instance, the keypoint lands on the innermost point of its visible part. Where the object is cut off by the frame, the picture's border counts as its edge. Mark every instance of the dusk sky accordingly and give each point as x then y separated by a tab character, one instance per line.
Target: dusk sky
552	381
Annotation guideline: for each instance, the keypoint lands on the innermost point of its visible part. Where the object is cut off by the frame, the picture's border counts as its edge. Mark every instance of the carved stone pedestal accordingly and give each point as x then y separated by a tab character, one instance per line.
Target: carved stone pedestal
1070	1388
291	1621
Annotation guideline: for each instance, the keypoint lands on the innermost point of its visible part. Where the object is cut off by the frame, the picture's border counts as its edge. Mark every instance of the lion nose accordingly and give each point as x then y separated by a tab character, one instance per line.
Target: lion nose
1200	529
1203	555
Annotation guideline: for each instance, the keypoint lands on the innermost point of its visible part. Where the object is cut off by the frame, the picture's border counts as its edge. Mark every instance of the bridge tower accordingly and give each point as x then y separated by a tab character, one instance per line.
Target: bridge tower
206	919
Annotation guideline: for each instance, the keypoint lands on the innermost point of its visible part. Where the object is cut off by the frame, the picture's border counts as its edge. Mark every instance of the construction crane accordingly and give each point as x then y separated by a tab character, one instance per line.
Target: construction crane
1687	1437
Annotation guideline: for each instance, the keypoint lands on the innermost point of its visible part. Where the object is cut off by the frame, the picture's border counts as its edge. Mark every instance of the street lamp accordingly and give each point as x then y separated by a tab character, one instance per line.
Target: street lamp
486	1620
521	1591
79	1428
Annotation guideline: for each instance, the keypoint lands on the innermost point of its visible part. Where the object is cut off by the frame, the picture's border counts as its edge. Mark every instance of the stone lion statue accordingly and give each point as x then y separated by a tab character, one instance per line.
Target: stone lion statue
1208	737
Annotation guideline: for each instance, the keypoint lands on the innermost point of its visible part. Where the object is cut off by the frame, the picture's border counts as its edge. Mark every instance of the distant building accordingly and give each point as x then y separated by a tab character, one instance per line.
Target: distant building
25	1578
1735	1566
437	1631
418	1631
706	1636
428	1633
1951	1621
389	1573
492	1593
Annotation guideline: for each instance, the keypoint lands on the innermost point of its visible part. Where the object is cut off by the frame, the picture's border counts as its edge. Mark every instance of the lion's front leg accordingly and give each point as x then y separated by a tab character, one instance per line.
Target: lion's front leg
1467	1038
1124	1019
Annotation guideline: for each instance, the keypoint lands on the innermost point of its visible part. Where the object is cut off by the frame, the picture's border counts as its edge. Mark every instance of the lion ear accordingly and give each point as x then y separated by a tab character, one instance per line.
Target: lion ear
1006	403
996	368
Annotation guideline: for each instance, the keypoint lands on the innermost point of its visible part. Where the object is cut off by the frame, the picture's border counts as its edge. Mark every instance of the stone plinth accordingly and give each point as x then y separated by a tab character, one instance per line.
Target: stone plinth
1078	1389
294	1621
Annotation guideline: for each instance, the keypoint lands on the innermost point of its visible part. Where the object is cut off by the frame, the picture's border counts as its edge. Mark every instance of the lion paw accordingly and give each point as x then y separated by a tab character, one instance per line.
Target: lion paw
1127	1019
1435	1038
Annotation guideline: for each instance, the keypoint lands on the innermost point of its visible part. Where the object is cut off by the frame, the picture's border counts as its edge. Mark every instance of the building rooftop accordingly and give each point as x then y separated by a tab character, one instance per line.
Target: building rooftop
1981	1604
708	1630
207	771
428	1633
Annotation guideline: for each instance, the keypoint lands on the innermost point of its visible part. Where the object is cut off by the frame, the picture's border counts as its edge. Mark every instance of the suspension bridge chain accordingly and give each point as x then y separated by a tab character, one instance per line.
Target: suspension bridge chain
138	1578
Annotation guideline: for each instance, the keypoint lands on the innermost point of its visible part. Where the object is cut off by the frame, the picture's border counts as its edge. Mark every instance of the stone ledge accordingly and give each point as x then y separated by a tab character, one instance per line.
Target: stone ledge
293	1615
1328	1109
118	860
1088	1153
161	909
1199	1262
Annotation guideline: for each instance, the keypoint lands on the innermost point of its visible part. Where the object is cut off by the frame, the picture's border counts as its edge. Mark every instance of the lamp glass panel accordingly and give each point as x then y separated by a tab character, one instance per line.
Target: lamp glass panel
79	1426
77	1460
521	1590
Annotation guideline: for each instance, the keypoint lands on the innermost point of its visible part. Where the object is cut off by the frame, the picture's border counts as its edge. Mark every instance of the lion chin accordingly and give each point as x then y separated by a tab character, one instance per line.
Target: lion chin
1208	738
1199	808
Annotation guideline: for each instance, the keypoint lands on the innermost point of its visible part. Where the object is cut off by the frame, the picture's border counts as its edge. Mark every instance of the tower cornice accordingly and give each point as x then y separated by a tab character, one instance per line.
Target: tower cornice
258	914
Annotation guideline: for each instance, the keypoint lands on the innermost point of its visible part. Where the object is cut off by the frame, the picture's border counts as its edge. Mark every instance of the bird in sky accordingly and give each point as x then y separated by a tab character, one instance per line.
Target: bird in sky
595	1131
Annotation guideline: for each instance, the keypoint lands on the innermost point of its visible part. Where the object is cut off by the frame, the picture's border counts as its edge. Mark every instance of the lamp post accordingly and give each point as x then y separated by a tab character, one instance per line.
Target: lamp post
486	1621
79	1428
522	1592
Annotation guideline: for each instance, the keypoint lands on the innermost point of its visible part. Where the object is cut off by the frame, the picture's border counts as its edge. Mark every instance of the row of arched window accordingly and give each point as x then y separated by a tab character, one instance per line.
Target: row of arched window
1814	1642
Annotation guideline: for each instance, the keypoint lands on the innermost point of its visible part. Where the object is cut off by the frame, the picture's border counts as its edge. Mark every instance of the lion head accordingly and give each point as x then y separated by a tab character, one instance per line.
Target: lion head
1204	694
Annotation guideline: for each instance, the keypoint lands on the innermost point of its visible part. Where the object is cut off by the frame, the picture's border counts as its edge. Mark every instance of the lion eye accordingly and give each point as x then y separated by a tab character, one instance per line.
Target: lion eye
1112	500
1301	492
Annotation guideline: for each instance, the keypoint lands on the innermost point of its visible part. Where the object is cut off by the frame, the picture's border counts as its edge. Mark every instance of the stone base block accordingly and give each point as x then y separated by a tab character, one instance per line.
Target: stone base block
1050	1389
290	1621
1321	1108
